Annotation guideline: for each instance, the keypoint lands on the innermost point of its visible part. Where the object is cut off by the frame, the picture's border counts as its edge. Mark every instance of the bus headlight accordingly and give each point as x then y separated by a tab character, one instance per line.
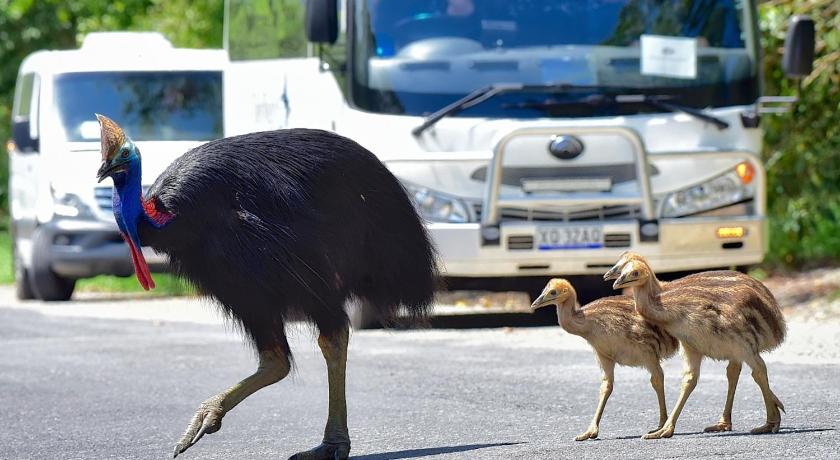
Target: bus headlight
728	188
437	206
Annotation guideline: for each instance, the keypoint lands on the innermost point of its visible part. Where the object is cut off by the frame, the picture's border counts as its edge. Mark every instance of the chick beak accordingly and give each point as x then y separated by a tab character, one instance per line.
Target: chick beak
619	283
613	273
538	303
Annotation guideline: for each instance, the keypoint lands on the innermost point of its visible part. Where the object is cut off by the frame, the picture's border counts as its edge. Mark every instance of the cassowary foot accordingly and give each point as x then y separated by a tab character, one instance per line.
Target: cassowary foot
591	433
769	427
326	451
718	427
665	432
207	419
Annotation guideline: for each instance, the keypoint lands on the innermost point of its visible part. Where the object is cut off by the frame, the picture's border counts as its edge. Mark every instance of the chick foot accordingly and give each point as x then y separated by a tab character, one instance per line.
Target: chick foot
718	427
769	427
326	451
207	419
665	432
591	433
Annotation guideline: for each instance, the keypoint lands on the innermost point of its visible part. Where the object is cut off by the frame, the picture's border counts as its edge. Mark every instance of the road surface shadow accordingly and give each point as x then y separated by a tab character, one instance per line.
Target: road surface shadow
781	431
417	453
729	433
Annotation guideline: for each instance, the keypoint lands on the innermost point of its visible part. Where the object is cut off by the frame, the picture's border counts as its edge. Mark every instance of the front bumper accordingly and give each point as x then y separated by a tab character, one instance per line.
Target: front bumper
82	249
683	244
498	246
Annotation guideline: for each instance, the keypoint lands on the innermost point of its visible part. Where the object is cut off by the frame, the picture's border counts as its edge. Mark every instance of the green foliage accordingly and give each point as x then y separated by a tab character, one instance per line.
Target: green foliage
802	148
265	29
27	26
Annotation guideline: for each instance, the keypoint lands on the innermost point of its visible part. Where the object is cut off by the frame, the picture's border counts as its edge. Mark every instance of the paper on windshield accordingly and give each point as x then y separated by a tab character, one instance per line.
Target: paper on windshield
674	57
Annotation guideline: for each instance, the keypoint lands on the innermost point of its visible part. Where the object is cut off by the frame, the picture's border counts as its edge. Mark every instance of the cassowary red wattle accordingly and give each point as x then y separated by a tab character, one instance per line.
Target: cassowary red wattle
276	226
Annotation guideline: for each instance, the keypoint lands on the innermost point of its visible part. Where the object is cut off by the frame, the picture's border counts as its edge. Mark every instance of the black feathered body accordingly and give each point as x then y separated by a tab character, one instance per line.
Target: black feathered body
291	224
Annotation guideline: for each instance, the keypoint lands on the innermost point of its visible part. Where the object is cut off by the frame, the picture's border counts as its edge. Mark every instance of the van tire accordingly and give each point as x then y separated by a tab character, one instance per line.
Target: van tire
23	286
44	282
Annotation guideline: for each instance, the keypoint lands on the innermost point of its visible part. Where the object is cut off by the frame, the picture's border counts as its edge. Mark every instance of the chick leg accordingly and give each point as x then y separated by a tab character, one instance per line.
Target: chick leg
771	402
273	366
657	381
608	367
336	444
690	377
733	371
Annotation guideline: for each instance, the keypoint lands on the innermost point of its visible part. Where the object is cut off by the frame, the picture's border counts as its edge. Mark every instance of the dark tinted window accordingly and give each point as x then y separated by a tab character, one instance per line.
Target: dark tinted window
155	106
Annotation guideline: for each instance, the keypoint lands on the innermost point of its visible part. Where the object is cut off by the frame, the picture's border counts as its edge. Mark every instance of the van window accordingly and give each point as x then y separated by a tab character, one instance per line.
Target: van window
24	99
150	106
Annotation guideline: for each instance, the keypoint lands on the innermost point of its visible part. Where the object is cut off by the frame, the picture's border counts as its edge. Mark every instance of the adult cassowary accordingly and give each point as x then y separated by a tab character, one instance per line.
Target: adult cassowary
277	226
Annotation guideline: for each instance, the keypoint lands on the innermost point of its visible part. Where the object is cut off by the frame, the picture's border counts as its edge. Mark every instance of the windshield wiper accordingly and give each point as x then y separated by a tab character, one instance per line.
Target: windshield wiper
482	94
662	102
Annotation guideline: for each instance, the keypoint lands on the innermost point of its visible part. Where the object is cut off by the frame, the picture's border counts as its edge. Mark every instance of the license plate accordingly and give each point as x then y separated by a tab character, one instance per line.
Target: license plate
569	237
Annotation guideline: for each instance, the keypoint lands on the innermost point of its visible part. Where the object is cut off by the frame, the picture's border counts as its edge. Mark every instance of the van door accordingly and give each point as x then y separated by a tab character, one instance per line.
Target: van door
23	155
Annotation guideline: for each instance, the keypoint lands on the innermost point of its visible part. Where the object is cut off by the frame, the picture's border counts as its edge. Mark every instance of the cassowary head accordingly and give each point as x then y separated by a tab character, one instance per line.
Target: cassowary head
121	162
626	257
119	154
634	273
556	292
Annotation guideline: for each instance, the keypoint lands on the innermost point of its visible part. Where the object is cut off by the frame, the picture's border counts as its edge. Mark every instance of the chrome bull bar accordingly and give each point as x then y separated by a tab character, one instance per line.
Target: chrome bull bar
490	216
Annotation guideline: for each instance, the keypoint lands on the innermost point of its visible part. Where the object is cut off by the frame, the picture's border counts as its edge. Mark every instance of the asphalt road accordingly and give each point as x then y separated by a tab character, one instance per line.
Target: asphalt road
89	387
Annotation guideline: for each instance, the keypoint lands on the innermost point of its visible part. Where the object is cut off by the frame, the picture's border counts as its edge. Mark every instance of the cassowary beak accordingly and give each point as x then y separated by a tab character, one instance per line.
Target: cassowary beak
613	273
620	281
539	303
107	169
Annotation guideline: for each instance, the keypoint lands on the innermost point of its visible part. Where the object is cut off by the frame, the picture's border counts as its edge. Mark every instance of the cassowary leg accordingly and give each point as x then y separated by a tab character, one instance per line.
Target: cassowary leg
771	402
607	380
336	444
690	377
733	371
657	381
273	366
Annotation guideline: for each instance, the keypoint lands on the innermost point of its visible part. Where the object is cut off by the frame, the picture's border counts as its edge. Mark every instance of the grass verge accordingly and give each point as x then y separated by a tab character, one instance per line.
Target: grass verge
7	274
165	284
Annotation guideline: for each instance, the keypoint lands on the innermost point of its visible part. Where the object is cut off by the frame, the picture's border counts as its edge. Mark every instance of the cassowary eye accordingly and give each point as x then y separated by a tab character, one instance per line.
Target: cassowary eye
125	153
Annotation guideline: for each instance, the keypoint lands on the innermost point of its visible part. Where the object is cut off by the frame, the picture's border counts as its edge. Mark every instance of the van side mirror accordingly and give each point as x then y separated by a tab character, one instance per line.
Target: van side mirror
798	58
21	136
322	21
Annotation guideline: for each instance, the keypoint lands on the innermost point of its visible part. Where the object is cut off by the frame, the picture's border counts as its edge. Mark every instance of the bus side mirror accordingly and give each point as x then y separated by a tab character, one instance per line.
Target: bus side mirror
21	135
322	21
798	58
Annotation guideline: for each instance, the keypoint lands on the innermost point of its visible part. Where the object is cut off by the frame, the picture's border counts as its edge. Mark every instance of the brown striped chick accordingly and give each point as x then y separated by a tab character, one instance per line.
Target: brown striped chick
722	314
617	334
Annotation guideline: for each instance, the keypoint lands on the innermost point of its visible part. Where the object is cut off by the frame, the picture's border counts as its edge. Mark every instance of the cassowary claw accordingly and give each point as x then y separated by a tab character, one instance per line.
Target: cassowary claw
207	419
326	451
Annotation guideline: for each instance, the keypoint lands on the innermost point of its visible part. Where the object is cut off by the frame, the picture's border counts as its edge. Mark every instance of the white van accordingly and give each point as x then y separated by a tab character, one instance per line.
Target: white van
169	100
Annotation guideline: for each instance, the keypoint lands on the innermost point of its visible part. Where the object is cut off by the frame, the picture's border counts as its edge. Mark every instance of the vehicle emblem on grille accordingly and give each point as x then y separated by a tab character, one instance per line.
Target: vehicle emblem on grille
565	147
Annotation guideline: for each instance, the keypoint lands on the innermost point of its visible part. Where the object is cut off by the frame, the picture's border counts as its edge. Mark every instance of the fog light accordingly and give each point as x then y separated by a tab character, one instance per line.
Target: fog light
62	240
746	172
731	232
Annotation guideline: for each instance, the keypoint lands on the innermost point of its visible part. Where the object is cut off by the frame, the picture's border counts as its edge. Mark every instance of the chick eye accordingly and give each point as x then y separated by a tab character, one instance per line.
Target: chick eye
635	273
552	292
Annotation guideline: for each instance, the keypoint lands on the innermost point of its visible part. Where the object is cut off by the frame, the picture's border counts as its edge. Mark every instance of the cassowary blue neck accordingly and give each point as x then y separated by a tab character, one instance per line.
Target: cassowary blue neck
128	199
129	212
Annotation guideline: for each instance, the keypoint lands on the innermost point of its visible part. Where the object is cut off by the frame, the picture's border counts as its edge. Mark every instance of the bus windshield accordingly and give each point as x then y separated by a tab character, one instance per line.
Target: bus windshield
150	106
415	56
